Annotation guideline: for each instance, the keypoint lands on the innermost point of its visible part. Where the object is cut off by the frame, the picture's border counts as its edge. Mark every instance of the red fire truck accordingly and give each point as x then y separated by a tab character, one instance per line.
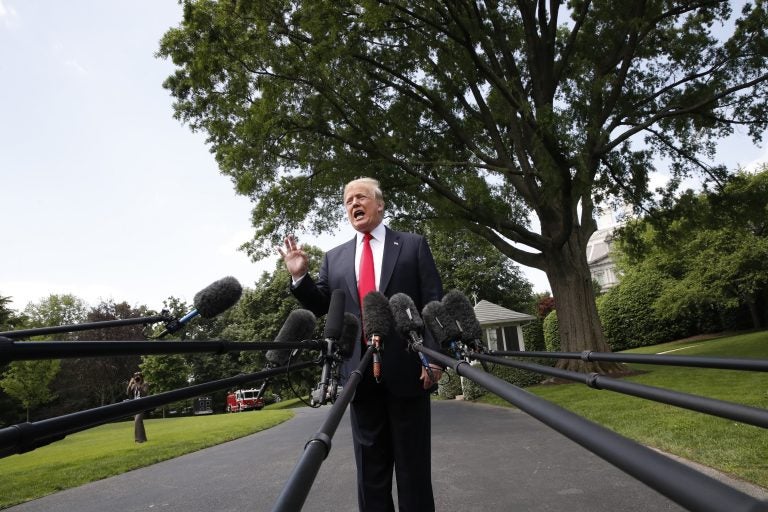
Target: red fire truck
244	400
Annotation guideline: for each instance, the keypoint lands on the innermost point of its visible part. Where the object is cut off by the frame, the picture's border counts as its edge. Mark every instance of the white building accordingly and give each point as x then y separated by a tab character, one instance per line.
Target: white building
601	265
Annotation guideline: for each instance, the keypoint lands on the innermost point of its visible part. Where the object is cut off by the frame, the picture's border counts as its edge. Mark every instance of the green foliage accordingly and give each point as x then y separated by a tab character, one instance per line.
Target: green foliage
449	385
35	383
57	309
551	332
533	335
628	315
469	388
164	372
518	377
96	381
708	253
9	318
29	382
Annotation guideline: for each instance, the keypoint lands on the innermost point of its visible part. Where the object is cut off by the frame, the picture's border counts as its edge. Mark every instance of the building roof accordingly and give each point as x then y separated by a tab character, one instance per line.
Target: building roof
488	313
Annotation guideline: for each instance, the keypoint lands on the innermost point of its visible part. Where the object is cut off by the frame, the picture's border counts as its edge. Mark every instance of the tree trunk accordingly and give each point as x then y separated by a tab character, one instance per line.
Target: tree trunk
754	313
577	319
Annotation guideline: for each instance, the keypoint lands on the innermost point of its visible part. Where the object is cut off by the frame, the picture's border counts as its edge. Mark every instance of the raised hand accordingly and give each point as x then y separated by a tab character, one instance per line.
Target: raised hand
296	260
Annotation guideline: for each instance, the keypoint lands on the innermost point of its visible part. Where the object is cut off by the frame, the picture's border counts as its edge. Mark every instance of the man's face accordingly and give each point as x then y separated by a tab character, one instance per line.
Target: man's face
363	210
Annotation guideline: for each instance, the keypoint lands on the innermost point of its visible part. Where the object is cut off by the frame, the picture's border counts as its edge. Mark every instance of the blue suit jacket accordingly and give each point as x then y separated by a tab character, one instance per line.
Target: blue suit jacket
407	267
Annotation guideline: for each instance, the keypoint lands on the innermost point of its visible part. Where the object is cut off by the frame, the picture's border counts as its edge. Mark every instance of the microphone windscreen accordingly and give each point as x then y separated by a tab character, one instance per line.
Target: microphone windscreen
439	323
406	316
350	335
377	317
334	320
299	326
217	297
459	308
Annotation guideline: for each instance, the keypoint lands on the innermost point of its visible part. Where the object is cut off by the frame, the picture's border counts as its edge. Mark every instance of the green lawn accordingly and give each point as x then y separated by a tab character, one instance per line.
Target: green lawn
109	450
734	448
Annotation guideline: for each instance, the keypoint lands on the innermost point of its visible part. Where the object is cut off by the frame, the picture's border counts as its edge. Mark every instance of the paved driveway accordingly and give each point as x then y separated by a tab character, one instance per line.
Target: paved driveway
485	459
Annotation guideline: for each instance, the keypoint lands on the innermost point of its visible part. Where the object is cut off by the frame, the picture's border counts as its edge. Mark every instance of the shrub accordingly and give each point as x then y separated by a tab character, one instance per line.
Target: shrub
516	376
449	385
470	389
533	335
519	377
628	316
551	332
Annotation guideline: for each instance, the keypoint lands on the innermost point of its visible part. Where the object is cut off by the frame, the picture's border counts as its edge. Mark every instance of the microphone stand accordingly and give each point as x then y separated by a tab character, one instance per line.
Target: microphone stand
317	448
11	350
104	324
743	413
25	437
684	485
327	389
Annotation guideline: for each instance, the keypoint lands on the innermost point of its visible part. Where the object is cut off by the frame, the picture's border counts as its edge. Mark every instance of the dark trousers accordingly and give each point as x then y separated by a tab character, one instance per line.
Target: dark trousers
393	432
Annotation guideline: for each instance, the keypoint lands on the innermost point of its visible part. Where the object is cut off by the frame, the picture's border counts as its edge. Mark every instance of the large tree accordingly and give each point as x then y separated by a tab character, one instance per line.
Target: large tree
510	118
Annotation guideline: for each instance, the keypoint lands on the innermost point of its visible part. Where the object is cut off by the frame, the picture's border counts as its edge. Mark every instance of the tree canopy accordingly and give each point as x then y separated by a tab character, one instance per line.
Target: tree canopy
511	119
712	248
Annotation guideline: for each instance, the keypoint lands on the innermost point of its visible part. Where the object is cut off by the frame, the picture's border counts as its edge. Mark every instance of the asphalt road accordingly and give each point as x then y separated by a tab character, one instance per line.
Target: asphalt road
485	459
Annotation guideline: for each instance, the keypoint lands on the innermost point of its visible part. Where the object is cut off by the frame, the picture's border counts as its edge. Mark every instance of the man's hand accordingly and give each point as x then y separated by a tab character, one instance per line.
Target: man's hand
296	260
437	373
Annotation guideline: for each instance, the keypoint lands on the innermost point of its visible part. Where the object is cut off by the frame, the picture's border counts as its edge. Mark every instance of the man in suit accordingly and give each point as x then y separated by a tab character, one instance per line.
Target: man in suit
390	419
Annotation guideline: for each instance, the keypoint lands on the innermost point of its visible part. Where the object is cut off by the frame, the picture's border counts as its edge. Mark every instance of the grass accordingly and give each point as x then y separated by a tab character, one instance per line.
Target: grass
731	447
109	450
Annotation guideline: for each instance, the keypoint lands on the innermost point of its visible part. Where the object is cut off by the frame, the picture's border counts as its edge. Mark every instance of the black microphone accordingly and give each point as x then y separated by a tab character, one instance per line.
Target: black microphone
334	320
409	324
327	388
377	322
350	334
443	328
212	300
299	326
460	309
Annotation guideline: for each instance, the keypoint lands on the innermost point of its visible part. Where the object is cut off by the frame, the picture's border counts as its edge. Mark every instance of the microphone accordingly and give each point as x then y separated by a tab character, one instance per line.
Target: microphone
443	328
409	324
327	388
334	320
377	322
212	300
299	326
350	333
457	306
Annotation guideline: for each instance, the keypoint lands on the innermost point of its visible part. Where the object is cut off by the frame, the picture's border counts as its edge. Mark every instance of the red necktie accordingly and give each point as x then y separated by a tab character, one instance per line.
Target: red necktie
366	284
367	280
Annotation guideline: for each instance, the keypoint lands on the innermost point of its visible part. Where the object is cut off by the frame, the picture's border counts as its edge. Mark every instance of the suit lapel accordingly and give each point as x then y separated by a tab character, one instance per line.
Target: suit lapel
391	252
348	262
